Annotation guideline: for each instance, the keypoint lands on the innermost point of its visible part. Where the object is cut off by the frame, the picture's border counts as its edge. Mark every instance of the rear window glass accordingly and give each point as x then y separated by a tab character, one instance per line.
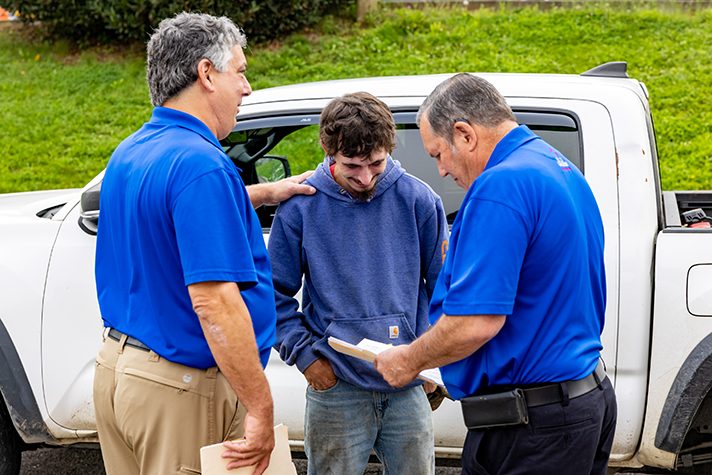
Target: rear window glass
296	138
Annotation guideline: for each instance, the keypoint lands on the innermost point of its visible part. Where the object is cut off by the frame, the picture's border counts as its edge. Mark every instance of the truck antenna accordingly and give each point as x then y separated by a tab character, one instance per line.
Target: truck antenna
614	69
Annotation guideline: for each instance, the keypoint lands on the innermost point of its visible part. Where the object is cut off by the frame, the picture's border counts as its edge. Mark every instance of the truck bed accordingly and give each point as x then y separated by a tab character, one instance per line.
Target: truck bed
677	202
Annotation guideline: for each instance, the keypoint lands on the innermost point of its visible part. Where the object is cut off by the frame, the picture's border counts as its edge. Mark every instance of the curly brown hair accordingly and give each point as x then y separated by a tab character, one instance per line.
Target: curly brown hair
357	125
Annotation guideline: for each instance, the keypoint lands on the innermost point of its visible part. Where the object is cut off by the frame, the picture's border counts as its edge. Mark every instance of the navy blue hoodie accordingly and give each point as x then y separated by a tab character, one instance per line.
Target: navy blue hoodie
369	269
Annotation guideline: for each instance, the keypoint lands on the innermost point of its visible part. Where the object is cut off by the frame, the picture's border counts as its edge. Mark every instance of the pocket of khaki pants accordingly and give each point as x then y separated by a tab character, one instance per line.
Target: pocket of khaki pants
230	413
236	428
156	378
185	469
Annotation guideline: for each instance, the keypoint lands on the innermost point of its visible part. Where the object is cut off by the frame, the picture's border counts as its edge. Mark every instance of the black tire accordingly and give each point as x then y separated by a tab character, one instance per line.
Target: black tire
10	444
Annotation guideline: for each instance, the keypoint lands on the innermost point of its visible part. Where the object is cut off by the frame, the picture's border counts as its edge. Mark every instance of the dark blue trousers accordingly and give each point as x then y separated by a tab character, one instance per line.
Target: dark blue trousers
573	438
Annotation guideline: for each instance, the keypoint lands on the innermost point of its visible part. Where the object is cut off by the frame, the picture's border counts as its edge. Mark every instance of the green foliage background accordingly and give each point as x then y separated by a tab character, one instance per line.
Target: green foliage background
104	21
62	113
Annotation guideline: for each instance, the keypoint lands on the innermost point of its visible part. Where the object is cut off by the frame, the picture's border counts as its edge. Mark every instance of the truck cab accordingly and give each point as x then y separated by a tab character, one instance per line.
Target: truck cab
657	344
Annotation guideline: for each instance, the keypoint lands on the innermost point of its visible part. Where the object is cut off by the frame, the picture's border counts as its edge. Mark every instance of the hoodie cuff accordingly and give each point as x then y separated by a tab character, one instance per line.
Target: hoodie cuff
305	359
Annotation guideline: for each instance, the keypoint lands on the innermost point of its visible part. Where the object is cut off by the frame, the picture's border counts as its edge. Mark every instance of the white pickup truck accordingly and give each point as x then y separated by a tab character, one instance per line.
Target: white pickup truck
657	338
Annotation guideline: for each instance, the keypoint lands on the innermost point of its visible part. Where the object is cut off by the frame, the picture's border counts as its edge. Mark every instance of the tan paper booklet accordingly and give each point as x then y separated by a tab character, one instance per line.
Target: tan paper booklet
280	463
368	349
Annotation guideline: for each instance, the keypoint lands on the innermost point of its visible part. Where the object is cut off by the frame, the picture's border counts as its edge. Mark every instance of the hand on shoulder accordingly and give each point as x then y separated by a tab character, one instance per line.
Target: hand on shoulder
275	193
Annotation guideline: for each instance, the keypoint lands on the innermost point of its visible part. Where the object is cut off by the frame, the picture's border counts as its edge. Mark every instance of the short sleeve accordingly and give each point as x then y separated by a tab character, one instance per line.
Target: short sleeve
209	220
487	260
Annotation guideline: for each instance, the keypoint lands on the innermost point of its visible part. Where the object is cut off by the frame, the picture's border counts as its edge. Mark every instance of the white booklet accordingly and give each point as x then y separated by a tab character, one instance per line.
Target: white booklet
368	349
280	463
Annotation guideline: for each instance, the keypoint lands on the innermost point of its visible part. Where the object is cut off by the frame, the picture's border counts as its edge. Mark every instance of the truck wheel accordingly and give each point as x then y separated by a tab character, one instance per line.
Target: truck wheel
10	444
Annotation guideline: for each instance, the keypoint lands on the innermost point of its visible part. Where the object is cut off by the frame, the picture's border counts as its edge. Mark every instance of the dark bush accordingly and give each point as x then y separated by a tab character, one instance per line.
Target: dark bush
103	21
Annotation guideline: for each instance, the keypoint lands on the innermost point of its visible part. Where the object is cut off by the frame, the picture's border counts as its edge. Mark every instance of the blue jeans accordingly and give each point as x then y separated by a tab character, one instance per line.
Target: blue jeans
344	423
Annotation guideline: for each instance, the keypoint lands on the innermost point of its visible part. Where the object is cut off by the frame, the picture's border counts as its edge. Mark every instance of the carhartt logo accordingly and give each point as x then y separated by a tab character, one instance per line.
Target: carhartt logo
393	332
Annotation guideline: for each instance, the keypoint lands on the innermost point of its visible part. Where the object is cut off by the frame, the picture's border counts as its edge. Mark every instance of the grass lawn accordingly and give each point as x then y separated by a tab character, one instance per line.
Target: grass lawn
62	113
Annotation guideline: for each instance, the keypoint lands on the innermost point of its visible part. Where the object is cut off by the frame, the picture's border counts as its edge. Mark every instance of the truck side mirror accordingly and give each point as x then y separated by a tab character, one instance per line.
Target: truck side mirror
89	210
268	169
272	168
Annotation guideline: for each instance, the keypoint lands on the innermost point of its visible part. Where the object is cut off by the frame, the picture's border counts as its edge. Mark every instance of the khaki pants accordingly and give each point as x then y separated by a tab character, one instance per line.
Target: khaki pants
154	415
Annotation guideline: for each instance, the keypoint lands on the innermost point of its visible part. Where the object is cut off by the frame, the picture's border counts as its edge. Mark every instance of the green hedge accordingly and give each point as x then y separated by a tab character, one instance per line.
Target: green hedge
104	21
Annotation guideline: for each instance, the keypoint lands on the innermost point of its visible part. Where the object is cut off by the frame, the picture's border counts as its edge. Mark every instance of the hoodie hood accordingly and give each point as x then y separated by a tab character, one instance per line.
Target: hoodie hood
324	182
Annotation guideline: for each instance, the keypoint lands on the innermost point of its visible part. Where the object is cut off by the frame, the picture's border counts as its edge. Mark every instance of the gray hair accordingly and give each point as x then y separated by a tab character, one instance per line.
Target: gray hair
464	97
178	45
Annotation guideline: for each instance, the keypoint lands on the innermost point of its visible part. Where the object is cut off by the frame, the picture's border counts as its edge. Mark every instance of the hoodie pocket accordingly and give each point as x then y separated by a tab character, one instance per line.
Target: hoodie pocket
390	329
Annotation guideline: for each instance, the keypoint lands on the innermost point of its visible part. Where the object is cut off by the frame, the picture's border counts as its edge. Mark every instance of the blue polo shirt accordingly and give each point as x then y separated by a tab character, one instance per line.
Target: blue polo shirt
175	212
528	244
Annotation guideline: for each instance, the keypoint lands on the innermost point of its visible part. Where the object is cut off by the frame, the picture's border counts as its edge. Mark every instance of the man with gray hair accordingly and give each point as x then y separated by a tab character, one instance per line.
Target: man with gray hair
183	276
519	305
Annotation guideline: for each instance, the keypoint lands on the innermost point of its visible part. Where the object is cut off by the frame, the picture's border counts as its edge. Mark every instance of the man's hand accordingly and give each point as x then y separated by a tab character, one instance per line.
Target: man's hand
395	366
320	375
285	189
275	193
257	446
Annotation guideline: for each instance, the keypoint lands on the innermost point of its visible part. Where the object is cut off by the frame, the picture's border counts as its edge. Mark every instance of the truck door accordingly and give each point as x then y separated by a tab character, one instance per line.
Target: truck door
71	327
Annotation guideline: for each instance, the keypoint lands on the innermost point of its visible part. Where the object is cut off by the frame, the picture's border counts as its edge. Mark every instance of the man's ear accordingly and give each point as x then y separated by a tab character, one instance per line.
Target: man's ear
205	74
464	135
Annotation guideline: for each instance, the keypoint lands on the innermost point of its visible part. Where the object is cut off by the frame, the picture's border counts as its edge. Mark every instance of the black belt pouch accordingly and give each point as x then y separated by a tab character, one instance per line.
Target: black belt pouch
495	410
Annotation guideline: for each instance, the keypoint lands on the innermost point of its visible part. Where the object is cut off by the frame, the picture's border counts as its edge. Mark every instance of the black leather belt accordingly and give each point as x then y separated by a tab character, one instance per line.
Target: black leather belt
116	335
503	406
549	393
556	392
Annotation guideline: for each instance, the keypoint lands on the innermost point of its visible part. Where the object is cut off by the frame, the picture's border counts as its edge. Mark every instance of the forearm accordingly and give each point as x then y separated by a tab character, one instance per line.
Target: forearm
294	338
236	354
259	194
453	338
294	333
295	347
227	327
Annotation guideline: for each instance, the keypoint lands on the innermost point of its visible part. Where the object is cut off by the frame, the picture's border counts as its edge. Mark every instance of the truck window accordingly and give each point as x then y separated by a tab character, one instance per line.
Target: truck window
297	139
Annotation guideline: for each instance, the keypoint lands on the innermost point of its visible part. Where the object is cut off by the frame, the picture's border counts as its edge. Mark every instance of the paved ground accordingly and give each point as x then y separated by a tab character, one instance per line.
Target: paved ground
62	462
88	462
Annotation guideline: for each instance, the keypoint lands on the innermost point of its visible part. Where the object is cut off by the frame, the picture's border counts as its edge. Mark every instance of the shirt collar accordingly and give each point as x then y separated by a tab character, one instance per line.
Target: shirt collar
514	139
176	118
